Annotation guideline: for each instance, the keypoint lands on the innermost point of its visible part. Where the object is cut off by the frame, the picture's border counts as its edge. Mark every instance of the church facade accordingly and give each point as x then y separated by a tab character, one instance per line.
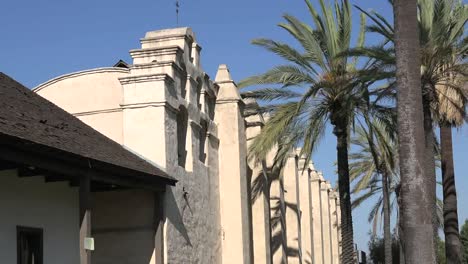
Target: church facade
224	208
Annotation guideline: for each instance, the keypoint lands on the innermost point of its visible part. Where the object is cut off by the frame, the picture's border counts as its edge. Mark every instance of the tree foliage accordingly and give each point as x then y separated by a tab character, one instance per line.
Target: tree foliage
316	86
464	240
376	250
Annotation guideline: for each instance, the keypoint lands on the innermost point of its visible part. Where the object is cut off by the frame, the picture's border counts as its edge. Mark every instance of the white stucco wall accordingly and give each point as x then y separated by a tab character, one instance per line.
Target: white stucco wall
93	95
31	202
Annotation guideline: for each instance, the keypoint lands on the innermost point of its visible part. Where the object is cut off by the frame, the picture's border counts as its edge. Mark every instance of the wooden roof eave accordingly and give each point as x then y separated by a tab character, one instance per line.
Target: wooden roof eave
58	161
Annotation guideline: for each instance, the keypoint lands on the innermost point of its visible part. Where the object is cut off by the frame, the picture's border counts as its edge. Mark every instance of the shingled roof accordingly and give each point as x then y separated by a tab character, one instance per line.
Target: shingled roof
34	121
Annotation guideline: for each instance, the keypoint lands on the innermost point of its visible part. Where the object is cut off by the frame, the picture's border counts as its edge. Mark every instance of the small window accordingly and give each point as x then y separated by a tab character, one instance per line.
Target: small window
29	245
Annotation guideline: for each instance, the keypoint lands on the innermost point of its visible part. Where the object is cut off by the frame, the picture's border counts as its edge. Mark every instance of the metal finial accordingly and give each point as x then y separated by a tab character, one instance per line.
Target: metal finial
177	11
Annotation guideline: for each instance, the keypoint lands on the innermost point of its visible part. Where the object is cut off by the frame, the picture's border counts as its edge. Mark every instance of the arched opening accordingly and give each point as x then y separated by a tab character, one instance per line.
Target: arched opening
203	133
199	89
183	81
182	124
210	103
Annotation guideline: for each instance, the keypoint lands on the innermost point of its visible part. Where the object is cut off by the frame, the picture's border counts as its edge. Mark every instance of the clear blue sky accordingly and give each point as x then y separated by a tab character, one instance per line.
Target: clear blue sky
43	39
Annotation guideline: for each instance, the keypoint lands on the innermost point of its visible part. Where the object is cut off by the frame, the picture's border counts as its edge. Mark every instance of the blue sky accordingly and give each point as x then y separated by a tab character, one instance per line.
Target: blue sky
44	39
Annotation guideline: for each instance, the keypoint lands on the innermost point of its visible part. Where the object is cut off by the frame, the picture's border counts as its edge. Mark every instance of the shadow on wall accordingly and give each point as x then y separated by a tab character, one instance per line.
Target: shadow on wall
122	222
309	258
174	217
278	215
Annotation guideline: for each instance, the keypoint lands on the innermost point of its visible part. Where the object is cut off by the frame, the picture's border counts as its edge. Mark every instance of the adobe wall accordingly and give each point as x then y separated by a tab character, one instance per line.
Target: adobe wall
138	107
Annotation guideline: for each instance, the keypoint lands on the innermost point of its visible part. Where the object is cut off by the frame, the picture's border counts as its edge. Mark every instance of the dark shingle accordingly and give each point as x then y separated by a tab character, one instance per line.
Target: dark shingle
27	116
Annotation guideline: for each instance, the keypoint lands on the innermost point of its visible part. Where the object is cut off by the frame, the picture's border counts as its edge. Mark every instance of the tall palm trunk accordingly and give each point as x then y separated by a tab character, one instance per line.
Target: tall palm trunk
347	236
430	164
399	226
451	231
386	208
416	203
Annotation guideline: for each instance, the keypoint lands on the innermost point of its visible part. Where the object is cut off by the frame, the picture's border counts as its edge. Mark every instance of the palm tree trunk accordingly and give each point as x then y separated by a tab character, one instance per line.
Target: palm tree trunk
451	231
430	164
402	251
399	226
416	203
347	236
386	208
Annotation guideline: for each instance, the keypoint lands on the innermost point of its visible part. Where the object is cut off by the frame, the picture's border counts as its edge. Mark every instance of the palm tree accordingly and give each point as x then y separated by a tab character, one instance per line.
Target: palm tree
374	162
416	198
449	117
374	170
317	86
442	25
449	79
443	46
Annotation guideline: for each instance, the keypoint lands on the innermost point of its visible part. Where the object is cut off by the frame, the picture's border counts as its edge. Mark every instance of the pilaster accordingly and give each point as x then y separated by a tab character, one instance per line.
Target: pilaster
233	185
334	227
327	255
317	219
293	209
260	199
338	227
305	197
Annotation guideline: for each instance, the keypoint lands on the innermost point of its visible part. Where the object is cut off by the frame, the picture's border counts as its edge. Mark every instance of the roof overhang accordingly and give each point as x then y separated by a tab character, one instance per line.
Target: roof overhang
21	151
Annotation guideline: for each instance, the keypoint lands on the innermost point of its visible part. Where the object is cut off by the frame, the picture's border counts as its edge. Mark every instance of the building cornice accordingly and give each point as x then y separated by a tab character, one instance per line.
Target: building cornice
146	78
168	50
150	65
165	104
166	37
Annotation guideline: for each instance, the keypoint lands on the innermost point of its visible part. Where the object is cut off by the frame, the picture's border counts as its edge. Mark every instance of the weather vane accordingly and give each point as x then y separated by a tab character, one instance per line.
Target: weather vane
177	11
